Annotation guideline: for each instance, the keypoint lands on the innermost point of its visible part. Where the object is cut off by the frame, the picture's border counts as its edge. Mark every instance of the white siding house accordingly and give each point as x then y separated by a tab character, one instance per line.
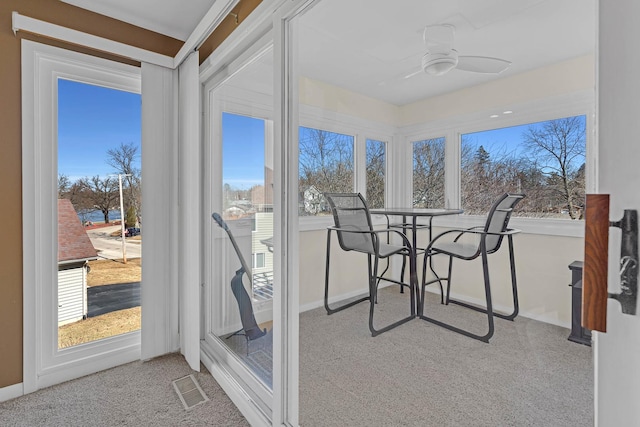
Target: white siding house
74	252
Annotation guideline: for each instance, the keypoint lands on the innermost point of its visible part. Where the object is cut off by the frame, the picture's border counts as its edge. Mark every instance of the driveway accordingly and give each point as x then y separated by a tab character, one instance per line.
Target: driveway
109	247
107	298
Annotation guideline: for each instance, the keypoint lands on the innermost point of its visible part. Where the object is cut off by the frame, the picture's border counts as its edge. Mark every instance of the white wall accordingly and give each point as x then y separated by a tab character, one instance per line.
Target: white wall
333	99
348	274
542	268
616	371
571	76
542	273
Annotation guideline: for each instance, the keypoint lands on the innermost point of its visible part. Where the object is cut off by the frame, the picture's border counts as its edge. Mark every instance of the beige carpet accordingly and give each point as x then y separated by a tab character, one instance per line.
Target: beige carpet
415	375
136	394
420	374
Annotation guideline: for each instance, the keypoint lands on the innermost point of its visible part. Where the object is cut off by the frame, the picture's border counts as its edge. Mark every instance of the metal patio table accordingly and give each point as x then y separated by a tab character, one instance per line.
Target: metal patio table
412	214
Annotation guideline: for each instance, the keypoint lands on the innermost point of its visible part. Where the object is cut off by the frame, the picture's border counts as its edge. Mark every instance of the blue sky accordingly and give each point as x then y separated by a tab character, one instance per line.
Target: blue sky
501	140
506	140
242	151
94	119
91	120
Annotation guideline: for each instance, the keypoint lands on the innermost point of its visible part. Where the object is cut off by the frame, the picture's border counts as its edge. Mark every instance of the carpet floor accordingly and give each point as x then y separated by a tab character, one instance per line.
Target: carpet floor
420	374
417	374
135	394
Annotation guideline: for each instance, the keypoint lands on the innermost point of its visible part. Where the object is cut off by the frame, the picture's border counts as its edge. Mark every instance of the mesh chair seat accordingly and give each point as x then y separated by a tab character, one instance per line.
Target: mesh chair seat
456	249
385	250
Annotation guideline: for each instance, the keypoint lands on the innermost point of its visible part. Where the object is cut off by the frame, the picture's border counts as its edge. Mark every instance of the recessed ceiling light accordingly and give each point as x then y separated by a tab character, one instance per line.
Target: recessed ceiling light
494	116
507	112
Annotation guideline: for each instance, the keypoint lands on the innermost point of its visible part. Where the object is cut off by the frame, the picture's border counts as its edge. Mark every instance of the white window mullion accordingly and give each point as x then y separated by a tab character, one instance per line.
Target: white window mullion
360	163
452	170
401	172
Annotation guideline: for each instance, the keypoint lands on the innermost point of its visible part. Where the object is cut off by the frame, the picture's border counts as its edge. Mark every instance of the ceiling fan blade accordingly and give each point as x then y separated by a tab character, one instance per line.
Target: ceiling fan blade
482	64
418	71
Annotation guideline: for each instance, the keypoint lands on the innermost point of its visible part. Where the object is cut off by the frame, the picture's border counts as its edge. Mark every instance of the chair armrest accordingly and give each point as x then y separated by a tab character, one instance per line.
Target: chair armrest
479	230
468	230
493	233
374	234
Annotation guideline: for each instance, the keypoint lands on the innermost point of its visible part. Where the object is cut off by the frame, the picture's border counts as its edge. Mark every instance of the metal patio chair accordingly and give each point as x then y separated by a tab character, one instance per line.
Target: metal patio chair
489	240
355	232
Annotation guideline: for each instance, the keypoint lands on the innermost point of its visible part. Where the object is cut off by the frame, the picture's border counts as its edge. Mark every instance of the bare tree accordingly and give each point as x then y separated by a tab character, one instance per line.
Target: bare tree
102	192
124	160
79	195
325	165
428	173
559	149
64	183
487	173
376	161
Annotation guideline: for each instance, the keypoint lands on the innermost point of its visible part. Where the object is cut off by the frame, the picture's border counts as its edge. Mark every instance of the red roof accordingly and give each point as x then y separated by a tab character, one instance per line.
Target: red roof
73	242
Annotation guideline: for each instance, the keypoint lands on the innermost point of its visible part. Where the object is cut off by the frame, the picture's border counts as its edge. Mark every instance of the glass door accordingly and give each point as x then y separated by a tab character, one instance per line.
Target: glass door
239	291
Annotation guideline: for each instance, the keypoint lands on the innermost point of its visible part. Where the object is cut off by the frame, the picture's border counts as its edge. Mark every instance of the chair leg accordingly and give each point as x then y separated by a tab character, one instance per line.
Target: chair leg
449	280
514	285
438	279
373	288
326	284
514	289
402	269
489	311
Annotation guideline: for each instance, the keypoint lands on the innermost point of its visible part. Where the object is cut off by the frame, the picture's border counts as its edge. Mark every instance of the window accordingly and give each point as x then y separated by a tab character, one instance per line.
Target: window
258	260
376	167
428	173
325	165
42	106
94	171
544	160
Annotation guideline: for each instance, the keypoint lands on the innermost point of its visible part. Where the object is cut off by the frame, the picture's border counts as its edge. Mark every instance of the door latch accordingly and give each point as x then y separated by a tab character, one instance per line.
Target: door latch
628	261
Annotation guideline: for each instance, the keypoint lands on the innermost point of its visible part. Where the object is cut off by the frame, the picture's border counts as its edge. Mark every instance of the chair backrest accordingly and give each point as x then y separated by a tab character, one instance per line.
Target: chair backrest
498	219
350	212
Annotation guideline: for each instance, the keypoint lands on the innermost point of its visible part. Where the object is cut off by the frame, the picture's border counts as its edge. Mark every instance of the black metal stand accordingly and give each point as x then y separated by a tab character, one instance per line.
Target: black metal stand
578	333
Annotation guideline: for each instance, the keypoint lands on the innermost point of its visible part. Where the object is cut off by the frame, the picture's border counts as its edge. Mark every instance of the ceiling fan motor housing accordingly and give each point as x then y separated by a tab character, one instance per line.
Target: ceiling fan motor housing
440	63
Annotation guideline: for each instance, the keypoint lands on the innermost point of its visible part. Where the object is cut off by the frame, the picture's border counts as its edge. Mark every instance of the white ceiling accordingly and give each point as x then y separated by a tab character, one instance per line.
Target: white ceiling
368	46
173	18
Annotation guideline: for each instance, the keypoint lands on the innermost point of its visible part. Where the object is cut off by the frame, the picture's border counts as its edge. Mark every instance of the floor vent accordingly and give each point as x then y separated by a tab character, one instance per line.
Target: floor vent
189	392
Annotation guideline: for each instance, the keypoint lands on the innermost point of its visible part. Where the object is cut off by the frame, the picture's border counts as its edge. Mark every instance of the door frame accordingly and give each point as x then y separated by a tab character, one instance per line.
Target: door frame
43	363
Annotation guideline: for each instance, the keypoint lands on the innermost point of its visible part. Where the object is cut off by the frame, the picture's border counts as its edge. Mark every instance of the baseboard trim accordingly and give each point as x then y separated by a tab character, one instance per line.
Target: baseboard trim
541	317
11	392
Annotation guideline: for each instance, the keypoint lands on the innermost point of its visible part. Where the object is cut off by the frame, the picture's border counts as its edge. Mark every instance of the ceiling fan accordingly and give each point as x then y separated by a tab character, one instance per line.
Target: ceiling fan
441	57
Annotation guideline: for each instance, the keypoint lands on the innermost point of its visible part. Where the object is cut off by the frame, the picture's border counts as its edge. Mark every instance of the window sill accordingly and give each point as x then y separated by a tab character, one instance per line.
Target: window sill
550	227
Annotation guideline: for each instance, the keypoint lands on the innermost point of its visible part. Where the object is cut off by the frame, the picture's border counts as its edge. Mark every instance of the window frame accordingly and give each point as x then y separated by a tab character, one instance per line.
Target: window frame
399	167
580	104
257	256
356	154
44	364
361	130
